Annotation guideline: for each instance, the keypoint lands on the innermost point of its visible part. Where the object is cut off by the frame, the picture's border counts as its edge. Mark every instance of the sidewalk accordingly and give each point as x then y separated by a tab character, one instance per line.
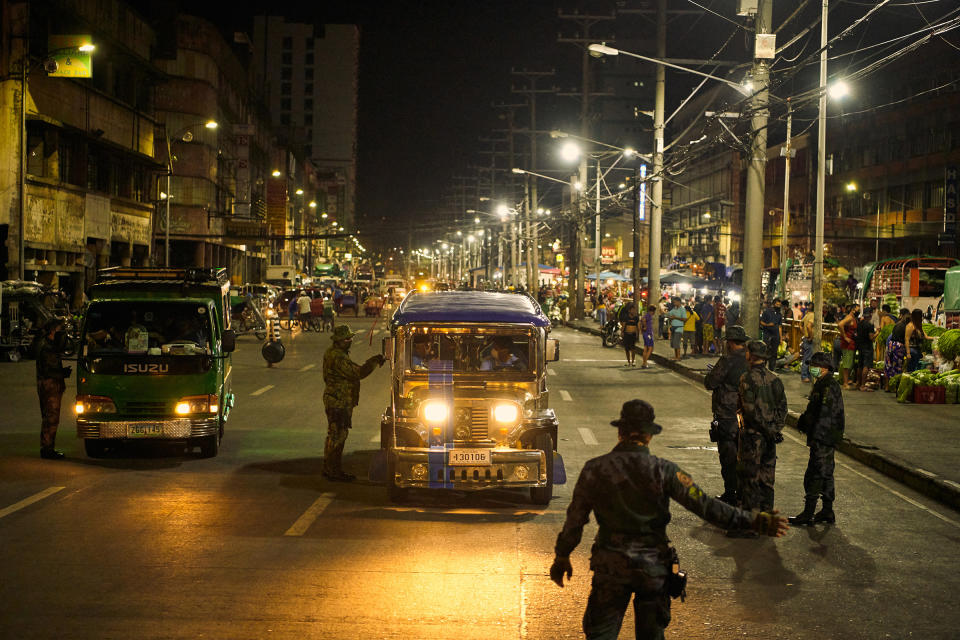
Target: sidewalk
916	445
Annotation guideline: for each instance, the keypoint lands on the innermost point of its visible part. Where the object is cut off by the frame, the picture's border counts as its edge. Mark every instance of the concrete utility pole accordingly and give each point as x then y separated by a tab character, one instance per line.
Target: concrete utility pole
821	186
656	196
785	231
753	223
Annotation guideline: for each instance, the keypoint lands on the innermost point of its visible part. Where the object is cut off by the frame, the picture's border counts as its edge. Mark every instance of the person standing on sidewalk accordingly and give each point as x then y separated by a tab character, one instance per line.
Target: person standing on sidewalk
677	316
763	409
51	383
806	343
707	320
770	321
848	343
629	491
823	422
720	313
630	331
690	331
646	327
724	381
342	393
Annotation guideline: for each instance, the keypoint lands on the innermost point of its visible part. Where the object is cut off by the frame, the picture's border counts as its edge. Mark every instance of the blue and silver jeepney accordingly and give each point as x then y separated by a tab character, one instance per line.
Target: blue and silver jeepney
469	406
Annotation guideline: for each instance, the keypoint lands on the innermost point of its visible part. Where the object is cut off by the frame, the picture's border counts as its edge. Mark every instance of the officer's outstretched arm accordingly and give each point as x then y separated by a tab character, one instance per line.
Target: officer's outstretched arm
681	488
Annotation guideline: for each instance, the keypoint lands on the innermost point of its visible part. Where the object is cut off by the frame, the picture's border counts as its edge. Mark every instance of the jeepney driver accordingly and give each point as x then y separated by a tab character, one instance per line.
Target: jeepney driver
502	356
422	353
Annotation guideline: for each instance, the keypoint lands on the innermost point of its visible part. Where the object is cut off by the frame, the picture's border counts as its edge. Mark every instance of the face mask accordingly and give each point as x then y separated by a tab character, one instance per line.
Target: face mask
815	371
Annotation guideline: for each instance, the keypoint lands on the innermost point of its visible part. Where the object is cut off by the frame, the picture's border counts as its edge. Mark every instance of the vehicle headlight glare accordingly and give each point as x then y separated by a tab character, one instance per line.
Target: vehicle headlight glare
505	413
183	408
94	404
435	412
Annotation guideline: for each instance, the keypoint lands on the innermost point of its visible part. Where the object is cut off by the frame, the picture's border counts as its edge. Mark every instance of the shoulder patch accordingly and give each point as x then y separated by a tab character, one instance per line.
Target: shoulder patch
684	479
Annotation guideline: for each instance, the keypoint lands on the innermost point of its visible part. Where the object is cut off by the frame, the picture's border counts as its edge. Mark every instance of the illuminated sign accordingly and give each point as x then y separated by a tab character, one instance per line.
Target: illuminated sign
72	56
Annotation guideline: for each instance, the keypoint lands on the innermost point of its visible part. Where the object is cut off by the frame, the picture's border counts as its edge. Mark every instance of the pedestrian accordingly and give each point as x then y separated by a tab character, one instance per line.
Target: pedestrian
724	381
690	330
770	321
848	343
720	313
316	311
342	393
823	422
51	383
797	312
806	343
601	312
647	329
630	331
678	316
328	315
914	337
707	320
896	350
303	310
866	334
292	309
629	492
763	408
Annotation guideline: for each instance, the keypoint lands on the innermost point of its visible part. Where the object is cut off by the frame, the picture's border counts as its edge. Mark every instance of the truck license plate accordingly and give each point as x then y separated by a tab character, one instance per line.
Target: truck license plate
469	457
144	430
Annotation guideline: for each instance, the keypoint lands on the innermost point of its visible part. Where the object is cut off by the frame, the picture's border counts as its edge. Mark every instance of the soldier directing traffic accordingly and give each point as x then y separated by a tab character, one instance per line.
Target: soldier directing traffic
51	383
763	408
724	380
823	422
342	393
629	491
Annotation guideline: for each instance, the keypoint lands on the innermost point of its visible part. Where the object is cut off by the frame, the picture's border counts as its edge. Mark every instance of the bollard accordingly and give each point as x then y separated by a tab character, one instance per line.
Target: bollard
273	349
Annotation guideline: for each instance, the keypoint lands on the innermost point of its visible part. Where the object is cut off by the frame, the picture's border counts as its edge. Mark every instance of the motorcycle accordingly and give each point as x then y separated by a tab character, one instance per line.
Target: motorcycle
610	334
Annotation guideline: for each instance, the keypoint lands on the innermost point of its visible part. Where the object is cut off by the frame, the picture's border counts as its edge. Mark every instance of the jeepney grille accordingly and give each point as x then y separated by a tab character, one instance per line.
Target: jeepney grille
479	424
147	408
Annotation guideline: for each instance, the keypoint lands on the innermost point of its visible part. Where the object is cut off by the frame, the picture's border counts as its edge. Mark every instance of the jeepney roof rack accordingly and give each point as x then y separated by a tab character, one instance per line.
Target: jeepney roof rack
187	275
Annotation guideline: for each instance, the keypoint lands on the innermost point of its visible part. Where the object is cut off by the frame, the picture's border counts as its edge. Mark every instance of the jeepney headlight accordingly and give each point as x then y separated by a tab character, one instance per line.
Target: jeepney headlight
94	404
435	411
506	413
197	404
419	471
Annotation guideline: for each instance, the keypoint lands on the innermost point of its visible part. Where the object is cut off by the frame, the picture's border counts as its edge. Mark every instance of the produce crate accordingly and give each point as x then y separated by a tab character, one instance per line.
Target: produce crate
929	395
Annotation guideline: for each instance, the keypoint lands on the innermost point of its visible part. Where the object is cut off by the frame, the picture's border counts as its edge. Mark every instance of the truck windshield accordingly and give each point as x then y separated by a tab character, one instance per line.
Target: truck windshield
147	328
469	352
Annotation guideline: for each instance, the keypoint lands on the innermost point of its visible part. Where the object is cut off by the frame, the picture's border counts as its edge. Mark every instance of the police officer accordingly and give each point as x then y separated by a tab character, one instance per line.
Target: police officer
763	408
724	380
823	422
342	393
629	491
51	383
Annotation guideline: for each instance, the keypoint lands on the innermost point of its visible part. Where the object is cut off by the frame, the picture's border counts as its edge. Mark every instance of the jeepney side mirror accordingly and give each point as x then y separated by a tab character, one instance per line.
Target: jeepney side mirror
553	350
229	340
386	348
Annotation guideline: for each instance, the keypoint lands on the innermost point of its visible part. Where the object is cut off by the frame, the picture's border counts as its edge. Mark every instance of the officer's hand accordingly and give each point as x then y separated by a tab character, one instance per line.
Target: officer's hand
380	359
559	567
771	524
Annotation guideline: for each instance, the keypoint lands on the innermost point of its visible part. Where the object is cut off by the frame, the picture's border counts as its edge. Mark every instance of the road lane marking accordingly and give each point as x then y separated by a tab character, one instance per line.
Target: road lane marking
566	395
552	372
26	502
262	390
308	367
310	515
587	435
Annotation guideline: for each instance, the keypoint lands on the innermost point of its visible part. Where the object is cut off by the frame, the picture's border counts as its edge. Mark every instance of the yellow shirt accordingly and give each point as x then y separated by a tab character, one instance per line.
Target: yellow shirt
691	323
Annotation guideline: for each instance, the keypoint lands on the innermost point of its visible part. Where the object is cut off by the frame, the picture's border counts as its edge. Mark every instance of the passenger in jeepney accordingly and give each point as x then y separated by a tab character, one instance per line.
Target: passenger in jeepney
422	352
502	356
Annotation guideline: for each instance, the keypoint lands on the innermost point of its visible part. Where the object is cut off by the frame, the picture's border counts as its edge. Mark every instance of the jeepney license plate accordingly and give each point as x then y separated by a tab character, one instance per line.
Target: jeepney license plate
144	430
469	457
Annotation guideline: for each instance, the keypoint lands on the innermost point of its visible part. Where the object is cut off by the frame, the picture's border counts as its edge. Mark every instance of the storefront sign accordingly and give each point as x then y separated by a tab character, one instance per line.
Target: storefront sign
127	228
55	221
277	207
96	219
70	61
608	255
950	201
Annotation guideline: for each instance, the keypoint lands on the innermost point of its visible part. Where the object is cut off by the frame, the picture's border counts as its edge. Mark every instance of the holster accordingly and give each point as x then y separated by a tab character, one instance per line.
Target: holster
714	431
676	579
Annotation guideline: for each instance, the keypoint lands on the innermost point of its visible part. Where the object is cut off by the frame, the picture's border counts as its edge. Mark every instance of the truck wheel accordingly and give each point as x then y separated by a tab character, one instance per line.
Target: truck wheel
209	446
542	495
394	493
94	448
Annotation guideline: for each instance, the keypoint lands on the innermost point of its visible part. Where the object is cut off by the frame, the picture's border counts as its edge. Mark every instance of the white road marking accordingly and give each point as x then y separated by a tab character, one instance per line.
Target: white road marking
26	502
262	390
552	372
566	395
310	515
308	367
587	435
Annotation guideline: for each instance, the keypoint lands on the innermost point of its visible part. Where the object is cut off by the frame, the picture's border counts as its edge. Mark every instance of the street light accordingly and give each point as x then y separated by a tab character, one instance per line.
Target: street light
185	135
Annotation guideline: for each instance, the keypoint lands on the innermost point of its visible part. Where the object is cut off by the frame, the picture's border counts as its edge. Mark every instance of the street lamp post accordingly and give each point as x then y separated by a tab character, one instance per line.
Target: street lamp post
209	124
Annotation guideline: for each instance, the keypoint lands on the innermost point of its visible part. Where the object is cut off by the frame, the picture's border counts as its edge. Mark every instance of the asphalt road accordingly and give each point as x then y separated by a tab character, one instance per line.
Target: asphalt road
256	544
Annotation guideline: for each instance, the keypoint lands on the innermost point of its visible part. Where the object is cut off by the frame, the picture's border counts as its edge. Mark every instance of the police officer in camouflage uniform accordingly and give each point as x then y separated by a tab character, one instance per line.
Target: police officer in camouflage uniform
763	408
823	422
51	383
629	492
342	393
724	380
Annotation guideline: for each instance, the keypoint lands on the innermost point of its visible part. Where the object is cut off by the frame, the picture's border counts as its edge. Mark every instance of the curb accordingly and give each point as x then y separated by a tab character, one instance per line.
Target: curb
889	465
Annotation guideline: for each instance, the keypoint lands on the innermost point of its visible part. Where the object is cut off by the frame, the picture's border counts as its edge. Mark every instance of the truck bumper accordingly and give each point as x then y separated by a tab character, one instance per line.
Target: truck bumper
139	429
508	468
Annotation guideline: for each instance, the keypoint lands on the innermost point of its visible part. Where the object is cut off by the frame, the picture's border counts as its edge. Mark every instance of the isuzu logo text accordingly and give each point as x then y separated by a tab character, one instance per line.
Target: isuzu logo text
146	368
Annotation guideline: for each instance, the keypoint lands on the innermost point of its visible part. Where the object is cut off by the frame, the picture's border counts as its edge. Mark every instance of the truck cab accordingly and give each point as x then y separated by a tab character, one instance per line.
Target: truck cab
154	363
469	407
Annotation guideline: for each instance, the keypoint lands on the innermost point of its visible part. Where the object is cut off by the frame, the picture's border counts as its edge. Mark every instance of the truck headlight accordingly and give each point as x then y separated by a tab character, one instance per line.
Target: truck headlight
506	413
435	411
197	404
94	404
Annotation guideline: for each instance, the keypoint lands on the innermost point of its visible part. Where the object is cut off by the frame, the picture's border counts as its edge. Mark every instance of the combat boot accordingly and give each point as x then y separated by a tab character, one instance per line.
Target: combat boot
806	517
825	515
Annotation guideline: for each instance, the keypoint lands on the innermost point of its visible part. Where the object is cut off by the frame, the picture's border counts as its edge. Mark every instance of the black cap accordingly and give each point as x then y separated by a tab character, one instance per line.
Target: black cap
638	416
758	348
821	359
736	333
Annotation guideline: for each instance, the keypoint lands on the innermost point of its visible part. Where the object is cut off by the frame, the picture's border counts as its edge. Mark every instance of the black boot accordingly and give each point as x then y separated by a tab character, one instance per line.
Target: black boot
826	514
806	517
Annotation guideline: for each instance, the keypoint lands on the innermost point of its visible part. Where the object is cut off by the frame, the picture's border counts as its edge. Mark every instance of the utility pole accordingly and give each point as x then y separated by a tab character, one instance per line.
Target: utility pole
656	200
821	185
787	152
753	222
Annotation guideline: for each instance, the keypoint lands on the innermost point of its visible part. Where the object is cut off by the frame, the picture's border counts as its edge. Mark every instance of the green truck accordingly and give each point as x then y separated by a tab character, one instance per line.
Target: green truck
154	360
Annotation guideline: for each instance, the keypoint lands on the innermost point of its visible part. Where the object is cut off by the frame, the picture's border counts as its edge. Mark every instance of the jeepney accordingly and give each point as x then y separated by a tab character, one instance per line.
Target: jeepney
154	359
469	406
911	282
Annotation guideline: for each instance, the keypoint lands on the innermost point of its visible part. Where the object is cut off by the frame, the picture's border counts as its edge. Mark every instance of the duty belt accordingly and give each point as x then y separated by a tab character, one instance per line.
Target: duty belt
651	540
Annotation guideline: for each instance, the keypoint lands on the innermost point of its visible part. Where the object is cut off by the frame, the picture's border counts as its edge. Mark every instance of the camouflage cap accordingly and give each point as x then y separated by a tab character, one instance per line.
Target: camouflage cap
736	333
758	348
342	332
639	415
821	359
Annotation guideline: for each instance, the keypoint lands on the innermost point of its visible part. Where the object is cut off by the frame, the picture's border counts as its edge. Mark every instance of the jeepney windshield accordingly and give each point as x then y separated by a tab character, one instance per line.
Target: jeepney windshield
470	351
147	328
